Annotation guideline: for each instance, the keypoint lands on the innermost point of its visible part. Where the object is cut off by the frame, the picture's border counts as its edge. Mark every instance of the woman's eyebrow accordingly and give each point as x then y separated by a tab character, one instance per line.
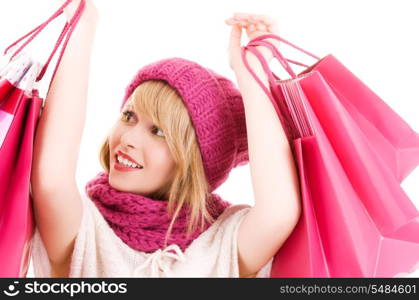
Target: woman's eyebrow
131	107
139	115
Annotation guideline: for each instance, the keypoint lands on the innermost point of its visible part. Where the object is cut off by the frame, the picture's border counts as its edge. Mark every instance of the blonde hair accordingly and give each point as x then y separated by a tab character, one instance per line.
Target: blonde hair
163	104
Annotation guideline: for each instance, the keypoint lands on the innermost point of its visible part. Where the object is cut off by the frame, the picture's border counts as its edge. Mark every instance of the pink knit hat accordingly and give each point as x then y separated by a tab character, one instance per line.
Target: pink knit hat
216	110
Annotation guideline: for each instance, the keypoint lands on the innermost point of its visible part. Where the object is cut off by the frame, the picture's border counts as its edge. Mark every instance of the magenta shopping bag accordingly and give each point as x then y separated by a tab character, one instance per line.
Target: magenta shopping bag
352	152
20	108
18	117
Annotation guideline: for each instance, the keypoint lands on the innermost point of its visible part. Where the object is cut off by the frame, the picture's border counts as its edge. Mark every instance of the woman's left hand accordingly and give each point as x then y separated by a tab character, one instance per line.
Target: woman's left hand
255	25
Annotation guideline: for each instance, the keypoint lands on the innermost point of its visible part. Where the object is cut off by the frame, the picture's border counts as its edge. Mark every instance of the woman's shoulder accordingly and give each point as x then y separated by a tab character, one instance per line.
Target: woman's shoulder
224	227
234	210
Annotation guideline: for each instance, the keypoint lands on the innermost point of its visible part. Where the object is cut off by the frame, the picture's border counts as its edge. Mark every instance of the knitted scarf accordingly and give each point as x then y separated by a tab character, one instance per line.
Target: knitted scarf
142	222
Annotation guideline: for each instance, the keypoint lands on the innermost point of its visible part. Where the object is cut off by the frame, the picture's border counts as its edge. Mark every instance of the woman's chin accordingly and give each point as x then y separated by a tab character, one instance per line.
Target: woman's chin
116	182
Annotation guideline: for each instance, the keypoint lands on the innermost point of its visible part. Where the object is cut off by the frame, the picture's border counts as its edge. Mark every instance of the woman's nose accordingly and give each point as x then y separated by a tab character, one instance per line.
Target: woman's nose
131	138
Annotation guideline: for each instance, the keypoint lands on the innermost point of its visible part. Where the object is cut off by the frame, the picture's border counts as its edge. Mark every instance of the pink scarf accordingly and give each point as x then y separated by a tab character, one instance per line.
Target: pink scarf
142	222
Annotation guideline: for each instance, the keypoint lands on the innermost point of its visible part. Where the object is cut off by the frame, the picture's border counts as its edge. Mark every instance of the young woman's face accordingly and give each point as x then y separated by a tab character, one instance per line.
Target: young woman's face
135	135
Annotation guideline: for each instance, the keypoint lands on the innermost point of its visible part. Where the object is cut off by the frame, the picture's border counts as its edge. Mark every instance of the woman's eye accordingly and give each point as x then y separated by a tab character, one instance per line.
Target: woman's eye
156	129
126	115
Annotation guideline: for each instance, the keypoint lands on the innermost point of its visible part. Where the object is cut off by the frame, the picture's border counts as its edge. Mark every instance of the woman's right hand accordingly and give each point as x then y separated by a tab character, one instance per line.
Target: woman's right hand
255	25
89	13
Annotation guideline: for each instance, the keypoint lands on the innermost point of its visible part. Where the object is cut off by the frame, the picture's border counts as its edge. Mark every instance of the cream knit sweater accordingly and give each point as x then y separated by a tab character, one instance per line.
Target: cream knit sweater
99	252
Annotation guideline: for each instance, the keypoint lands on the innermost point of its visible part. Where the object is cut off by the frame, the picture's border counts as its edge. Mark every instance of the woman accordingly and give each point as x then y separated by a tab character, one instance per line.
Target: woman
152	212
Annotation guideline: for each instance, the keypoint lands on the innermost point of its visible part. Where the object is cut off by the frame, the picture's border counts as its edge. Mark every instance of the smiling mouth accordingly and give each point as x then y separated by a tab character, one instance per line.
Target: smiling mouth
123	165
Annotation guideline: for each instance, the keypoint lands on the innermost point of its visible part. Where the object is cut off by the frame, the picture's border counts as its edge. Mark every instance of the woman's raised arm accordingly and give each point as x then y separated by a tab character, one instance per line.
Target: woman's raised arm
274	178
60	127
57	202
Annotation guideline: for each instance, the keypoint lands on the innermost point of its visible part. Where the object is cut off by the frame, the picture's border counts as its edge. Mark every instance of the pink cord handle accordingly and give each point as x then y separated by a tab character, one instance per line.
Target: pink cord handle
276	37
286	111
37	30
66	32
282	111
276	55
260	41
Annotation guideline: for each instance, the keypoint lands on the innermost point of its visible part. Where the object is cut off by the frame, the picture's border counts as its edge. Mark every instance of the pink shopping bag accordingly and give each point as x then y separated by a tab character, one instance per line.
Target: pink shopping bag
20	108
352	151
18	117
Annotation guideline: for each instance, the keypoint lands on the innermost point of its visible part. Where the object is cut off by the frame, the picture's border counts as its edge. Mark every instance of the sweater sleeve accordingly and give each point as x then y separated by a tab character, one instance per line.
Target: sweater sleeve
40	260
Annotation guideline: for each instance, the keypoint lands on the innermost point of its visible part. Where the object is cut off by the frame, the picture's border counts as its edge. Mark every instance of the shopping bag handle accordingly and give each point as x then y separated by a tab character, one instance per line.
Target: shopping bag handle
66	32
280	107
290	113
261	41
276	54
36	31
265	67
277	37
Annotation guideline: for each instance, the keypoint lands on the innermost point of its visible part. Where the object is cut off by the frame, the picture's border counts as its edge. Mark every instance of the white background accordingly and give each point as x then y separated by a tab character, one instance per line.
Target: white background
376	40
